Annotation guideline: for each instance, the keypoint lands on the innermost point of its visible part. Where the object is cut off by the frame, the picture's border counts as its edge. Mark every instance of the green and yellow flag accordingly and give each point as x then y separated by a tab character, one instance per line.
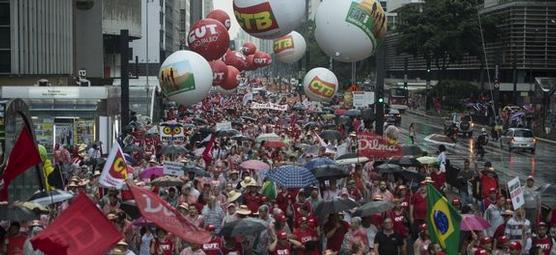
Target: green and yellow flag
443	221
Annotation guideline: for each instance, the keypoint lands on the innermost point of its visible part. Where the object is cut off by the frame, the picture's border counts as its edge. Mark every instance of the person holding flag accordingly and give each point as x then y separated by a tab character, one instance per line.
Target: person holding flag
444	221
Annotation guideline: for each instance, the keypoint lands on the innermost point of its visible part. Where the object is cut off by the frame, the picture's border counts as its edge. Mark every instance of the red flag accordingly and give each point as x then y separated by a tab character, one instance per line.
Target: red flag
158	211
80	229
207	153
114	173
23	156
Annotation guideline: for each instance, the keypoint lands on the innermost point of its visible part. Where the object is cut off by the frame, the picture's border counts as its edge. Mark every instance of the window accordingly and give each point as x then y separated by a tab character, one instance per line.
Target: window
5	37
4	14
5	61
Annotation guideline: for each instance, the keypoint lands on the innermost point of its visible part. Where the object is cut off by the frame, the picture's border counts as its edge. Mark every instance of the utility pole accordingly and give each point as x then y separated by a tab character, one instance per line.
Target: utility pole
124	78
514	66
379	90
405	81
427	88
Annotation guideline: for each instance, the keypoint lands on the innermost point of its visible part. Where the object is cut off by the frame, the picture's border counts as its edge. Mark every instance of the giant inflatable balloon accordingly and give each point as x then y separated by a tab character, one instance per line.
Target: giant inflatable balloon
349	30
232	79
251	63
289	48
248	48
185	77
209	38
262	59
235	59
219	71
221	16
269	19
320	84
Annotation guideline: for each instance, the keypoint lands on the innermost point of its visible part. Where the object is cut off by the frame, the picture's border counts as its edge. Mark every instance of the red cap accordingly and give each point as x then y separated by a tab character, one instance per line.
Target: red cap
456	202
312	222
423	227
486	240
492	190
481	252
211	227
281	218
515	246
282	235
404	204
302	220
541	224
502	240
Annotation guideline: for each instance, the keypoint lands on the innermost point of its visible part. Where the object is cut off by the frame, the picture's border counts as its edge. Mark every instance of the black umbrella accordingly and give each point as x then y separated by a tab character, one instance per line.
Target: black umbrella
299	106
328	172
173	149
325	208
197	170
408	161
200	121
329	126
327	109
412	150
411	176
241	138
347	156
310	125
249	118
130	208
227	132
352	113
387	168
17	213
132	148
547	192
243	227
330	135
373	207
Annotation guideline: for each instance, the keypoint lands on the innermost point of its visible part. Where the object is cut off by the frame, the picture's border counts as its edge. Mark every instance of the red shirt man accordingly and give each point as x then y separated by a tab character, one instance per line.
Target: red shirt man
488	182
335	229
419	205
308	237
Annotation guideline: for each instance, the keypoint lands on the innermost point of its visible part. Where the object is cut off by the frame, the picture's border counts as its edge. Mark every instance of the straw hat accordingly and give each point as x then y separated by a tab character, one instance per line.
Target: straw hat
72	185
233	196
243	210
248	182
96	173
83	182
122	243
36	223
427	180
184	206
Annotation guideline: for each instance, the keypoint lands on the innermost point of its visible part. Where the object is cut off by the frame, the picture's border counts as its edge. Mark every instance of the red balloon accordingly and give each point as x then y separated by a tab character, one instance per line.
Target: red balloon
235	59
262	59
232	79
248	48
221	16
209	38
250	63
219	71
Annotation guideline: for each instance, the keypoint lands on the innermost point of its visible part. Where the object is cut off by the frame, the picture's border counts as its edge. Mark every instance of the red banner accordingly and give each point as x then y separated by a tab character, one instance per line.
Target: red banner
81	229
374	146
158	211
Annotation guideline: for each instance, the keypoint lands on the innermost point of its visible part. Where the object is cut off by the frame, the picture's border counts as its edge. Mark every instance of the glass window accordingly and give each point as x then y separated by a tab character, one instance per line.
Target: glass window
5	61
5	37
4	14
523	133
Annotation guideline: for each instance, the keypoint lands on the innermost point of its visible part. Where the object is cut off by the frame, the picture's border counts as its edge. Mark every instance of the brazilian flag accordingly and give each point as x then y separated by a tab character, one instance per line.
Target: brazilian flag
443	221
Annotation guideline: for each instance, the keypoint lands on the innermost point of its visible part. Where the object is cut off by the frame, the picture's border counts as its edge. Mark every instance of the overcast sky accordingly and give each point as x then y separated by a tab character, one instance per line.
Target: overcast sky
227	6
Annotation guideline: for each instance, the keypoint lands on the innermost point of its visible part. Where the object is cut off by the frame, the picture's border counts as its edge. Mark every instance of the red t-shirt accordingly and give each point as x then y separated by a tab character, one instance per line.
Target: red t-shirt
252	201
487	183
282	200
419	203
282	249
213	247
305	236
335	241
236	250
544	244
165	247
15	244
400	221
439	179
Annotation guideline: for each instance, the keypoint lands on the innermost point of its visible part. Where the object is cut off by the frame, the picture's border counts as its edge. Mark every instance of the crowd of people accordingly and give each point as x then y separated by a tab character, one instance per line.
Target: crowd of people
228	192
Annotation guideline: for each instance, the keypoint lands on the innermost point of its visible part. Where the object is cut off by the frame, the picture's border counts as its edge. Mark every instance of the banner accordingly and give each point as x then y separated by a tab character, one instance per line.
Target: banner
362	99
80	229
225	125
171	132
162	214
173	168
114	173
516	193
270	106
375	146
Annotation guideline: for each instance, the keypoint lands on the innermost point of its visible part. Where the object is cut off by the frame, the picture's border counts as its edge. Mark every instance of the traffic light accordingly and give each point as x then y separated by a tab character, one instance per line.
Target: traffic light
380	100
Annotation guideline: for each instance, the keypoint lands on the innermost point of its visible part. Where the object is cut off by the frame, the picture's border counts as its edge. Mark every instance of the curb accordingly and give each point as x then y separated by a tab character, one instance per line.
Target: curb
419	113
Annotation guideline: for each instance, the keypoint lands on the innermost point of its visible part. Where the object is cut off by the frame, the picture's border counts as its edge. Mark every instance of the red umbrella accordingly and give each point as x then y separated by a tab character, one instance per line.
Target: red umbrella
472	222
340	111
274	144
255	165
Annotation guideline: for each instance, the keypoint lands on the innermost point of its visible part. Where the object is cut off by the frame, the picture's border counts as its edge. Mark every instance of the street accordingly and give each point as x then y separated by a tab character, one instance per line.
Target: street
507	165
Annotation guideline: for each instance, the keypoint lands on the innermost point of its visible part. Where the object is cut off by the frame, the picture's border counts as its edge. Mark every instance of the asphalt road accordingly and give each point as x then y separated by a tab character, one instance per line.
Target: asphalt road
508	165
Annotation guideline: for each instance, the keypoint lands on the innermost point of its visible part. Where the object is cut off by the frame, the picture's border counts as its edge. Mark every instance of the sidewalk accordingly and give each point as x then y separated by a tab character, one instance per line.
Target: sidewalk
424	114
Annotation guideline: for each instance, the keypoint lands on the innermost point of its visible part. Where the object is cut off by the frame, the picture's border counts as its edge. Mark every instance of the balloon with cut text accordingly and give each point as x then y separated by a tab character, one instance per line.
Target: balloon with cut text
320	84
349	31
221	16
219	71
185	77
232	78
248	48
251	63
262	59
269	19
289	48
235	59
209	38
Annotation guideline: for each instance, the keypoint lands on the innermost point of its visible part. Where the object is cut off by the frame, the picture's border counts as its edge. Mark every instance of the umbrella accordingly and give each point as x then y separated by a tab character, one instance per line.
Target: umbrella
340	111
310	125
412	149
547	192
167	181
350	158
274	144
330	135
408	161
45	198
325	208
328	116
149	172
329	126
17	213
328	172
388	168
427	160
268	137
472	222
255	165
130	208
173	149
240	138
227	132
373	207
197	170
352	113
299	106
243	227
411	176
316	162
200	121
34	207
248	118
291	176
132	148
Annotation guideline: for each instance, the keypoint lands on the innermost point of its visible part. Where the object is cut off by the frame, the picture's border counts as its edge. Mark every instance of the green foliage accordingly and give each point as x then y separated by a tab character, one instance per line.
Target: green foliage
453	91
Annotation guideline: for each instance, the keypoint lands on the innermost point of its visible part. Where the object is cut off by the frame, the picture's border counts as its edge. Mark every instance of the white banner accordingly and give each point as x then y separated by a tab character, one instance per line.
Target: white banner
516	193
270	106
225	125
173	168
171	132
363	99
114	174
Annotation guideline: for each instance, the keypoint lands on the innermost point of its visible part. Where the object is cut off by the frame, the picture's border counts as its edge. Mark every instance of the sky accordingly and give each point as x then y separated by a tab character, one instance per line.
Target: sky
227	6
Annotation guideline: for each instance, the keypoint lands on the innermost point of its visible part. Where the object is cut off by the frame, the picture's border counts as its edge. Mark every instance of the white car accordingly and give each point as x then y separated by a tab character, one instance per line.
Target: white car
518	138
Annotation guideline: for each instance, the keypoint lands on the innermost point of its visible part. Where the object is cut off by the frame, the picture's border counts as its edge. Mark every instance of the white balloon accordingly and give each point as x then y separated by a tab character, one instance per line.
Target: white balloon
185	77
269	19
320	84
289	48
349	31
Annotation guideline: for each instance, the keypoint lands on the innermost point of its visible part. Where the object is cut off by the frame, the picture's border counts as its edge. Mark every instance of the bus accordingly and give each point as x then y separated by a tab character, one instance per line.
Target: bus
397	98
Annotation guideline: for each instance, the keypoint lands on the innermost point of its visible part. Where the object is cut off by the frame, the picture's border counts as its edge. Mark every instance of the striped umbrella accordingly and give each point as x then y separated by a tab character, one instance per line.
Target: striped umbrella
291	176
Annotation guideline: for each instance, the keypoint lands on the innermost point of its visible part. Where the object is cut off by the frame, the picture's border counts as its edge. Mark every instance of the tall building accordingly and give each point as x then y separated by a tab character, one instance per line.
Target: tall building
208	6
